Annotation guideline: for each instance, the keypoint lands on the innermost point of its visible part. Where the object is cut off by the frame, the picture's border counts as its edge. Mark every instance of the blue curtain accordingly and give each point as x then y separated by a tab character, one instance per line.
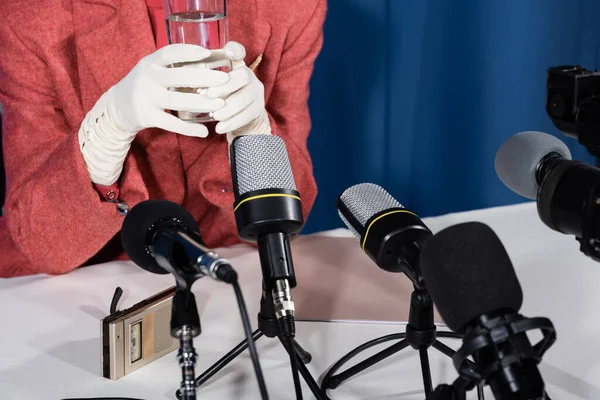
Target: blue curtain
417	95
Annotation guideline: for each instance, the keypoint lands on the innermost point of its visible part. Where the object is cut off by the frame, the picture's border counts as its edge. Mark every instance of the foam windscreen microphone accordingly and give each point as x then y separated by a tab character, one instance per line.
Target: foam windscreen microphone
538	166
475	288
162	237
469	273
390	234
524	159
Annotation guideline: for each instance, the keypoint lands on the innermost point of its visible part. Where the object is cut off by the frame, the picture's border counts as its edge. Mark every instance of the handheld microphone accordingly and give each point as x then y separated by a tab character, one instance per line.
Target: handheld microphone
474	286
268	210
162	237
538	166
390	234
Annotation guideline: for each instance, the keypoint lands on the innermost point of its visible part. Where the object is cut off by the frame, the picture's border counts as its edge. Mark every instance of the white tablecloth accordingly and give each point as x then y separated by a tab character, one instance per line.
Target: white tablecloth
50	329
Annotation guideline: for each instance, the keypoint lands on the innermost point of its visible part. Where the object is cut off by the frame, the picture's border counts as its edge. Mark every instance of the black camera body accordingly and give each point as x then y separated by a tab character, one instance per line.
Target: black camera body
573	104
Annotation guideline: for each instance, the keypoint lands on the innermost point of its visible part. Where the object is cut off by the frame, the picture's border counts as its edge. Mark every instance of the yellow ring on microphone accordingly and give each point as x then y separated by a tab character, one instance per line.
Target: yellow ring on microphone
381	216
262	196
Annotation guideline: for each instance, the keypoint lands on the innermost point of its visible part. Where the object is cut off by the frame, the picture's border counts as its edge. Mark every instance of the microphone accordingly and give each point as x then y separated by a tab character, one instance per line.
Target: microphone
390	234
162	237
474	286
268	211
538	166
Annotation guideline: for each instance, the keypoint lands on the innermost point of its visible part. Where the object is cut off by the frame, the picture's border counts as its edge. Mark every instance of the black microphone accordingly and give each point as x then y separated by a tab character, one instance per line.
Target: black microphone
538	166
268	210
162	237
390	234
474	286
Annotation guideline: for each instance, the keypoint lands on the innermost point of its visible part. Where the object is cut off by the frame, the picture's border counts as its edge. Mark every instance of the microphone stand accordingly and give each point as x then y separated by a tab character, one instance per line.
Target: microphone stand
267	326
421	334
185	326
277	266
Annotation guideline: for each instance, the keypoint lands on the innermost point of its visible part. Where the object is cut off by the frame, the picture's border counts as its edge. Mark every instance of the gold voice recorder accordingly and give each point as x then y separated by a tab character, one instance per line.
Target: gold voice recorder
137	336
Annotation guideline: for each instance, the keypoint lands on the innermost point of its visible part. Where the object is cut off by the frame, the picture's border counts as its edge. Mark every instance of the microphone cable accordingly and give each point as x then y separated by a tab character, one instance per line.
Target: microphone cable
288	342
251	344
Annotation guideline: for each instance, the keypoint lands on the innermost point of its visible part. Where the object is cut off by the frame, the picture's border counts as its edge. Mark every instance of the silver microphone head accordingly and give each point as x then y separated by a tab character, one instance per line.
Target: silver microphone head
362	202
518	158
261	162
388	233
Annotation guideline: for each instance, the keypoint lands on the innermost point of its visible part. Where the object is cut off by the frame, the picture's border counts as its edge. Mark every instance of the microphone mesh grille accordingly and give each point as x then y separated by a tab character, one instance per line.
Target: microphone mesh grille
261	162
365	200
349	225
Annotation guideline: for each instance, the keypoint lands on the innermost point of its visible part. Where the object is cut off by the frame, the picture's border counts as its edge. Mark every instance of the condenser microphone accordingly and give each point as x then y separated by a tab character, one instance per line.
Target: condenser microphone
268	210
162	237
390	234
474	286
538	166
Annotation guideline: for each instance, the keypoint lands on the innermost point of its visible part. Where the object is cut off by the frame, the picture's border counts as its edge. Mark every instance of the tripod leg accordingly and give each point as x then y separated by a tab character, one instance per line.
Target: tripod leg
226	359
443	348
449	352
425	370
480	391
304	355
336	380
310	381
450	335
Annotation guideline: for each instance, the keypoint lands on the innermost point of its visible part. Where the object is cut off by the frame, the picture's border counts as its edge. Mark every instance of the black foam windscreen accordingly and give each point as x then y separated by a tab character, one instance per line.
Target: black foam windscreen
469	274
141	223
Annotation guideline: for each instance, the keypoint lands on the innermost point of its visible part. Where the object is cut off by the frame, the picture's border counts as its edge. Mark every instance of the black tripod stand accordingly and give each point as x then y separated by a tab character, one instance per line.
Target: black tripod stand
421	333
267	326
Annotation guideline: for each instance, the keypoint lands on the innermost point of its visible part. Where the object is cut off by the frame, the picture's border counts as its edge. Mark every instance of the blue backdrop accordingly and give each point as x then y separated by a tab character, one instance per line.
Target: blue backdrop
417	95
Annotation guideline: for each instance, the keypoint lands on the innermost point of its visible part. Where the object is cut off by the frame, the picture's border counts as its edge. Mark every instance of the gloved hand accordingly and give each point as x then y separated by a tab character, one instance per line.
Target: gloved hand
139	101
244	112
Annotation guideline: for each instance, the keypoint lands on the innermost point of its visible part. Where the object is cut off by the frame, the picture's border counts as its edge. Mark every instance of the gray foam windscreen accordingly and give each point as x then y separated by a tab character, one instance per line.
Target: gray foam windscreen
365	200
517	160
262	162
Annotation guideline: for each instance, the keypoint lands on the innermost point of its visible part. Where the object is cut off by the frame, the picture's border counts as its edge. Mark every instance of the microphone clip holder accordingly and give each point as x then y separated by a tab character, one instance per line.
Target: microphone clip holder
503	330
456	391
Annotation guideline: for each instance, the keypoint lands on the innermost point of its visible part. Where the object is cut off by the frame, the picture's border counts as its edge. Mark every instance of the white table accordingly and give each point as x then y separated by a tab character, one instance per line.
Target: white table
50	348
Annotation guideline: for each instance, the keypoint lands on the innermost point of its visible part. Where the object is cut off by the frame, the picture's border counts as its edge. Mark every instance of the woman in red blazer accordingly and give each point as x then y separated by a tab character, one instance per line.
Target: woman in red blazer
58	60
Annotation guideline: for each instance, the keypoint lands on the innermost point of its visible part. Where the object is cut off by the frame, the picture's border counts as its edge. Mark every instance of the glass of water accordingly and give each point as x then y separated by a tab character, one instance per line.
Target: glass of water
203	23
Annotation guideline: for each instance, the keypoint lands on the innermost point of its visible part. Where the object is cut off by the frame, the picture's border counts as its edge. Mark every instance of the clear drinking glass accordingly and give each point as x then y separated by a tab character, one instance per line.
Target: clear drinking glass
203	23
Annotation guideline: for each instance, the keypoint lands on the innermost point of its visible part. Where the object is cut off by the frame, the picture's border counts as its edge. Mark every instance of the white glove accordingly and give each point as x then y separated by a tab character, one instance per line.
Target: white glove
139	101
244	112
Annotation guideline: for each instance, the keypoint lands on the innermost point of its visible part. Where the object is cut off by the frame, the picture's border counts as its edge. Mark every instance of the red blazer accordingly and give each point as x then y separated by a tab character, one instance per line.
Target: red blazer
57	57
